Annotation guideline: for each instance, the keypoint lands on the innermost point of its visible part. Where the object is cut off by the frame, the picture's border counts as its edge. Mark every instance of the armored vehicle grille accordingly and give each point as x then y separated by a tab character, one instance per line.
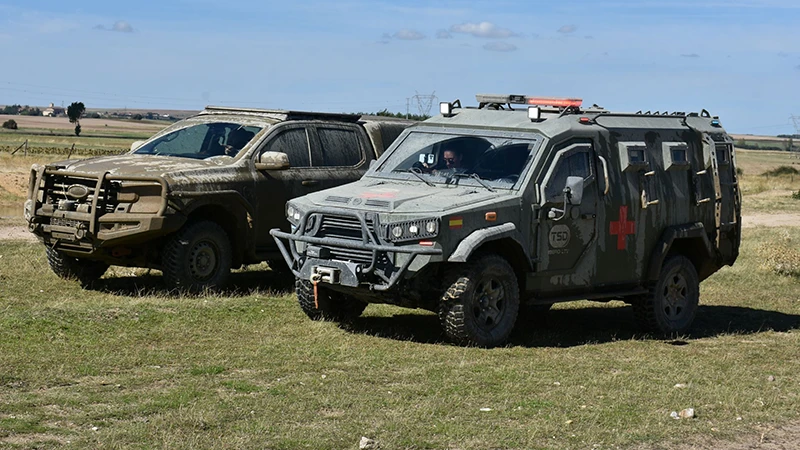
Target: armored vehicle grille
347	228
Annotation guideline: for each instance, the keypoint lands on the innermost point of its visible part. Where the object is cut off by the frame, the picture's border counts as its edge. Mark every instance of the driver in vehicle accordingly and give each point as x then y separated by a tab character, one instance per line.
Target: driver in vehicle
237	140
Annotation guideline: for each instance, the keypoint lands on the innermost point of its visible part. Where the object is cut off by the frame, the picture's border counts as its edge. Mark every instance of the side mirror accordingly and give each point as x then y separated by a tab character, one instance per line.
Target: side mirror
136	144
273	161
573	190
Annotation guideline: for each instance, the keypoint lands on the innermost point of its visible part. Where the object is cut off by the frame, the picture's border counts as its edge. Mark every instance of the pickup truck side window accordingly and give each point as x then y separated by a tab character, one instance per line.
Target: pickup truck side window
293	142
339	147
575	163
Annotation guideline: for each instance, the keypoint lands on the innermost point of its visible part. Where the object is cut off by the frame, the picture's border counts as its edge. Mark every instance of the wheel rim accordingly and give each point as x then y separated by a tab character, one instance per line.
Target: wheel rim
490	303
675	297
203	260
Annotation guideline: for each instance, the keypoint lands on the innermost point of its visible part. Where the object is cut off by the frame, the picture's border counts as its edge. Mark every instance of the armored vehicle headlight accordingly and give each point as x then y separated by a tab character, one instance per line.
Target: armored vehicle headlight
412	230
293	214
430	227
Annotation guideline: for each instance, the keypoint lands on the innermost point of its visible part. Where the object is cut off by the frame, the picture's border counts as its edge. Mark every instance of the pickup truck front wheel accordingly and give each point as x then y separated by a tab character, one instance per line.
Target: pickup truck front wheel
197	258
481	302
85	271
330	305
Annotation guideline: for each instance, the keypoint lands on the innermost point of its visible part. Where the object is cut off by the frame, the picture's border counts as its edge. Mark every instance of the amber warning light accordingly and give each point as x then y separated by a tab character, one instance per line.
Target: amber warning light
558	102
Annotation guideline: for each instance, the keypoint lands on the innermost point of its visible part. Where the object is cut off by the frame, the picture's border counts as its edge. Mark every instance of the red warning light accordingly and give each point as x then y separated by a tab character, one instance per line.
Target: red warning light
584	120
553	101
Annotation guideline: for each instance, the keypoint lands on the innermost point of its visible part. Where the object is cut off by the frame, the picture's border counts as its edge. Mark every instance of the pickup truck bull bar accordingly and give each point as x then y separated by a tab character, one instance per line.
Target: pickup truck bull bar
38	174
368	242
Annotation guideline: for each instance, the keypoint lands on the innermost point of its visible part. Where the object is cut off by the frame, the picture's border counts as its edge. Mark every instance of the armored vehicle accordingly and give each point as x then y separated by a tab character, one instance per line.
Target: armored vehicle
199	197
479	210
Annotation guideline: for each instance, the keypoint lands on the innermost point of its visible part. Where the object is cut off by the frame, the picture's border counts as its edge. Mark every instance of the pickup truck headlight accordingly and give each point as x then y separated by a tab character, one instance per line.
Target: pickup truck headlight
412	230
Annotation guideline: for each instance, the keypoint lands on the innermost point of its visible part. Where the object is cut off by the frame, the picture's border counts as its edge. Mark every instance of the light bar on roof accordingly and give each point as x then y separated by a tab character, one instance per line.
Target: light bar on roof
525	100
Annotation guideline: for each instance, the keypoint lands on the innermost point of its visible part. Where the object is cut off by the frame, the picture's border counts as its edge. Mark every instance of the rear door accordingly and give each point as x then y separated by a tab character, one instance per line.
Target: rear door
340	155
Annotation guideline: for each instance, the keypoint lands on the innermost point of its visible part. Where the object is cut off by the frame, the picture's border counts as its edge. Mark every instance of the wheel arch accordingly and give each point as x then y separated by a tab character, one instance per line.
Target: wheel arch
233	218
689	241
500	240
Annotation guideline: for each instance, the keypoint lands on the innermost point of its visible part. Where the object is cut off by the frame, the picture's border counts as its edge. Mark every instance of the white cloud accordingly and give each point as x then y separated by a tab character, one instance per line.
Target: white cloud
500	47
443	34
119	26
567	29
122	26
483	30
408	35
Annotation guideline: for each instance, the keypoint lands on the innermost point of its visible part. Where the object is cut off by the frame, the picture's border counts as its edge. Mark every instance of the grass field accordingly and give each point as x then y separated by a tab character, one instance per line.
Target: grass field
128	365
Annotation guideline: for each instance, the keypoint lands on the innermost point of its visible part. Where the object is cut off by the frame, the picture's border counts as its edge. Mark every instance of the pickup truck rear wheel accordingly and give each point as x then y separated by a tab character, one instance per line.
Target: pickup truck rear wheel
197	258
671	305
481	302
86	271
331	305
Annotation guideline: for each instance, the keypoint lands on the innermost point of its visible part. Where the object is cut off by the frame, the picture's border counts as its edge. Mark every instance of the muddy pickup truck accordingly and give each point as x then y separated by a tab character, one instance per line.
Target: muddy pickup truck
199	197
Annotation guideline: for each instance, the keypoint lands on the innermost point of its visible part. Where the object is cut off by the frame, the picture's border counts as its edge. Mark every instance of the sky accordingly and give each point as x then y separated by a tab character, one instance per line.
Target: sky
738	59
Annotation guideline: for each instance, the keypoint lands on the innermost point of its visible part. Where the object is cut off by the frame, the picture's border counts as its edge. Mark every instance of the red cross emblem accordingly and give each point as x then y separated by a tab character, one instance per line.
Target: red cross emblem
622	228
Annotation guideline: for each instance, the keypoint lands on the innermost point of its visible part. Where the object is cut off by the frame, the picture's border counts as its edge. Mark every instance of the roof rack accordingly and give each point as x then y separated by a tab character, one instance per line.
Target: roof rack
282	114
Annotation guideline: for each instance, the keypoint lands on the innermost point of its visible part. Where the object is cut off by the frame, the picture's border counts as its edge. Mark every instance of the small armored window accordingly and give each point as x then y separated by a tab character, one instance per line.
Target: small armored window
636	155
633	156
723	154
676	155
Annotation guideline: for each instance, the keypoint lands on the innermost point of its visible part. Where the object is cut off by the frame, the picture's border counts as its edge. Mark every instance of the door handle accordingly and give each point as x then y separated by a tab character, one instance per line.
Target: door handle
310	182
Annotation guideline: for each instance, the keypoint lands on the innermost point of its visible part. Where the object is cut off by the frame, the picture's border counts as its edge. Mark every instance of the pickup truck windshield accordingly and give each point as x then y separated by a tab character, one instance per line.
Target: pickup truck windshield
446	158
201	141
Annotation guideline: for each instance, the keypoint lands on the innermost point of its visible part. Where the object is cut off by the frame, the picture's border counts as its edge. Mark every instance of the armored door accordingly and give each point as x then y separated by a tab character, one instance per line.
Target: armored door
567	225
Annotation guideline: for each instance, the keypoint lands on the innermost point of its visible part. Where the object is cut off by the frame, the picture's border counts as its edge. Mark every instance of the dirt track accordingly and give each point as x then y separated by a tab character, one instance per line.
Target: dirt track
62	123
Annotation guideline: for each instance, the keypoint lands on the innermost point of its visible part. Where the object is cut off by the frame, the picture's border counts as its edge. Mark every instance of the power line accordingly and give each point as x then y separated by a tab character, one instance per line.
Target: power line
425	102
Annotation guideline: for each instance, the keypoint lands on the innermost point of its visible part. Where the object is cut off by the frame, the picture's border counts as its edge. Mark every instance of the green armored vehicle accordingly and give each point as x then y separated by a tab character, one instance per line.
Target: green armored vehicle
199	197
479	210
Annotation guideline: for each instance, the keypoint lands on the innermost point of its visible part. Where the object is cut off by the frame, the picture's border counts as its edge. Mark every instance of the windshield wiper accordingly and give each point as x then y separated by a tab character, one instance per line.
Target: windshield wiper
475	177
418	174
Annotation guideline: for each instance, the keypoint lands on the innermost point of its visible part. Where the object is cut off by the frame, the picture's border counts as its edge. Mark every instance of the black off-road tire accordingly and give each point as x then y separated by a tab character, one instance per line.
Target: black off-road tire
670	307
333	306
197	258
481	302
86	271
278	266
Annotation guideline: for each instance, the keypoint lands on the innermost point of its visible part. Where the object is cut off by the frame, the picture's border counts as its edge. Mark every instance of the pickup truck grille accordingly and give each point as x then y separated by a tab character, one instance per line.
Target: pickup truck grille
66	193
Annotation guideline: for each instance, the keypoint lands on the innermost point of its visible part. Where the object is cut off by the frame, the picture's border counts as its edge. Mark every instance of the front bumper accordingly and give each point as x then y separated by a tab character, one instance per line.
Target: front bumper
311	257
88	224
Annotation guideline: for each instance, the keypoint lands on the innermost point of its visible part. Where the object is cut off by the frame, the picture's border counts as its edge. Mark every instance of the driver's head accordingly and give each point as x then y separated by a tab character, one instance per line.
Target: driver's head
452	158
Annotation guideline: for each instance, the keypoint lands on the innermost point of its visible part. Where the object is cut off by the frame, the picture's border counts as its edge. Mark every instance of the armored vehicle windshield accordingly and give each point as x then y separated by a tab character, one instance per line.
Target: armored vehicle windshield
202	140
481	158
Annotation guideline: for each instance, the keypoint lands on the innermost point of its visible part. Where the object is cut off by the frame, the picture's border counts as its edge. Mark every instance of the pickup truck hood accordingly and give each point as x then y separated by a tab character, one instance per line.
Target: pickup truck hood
404	198
141	165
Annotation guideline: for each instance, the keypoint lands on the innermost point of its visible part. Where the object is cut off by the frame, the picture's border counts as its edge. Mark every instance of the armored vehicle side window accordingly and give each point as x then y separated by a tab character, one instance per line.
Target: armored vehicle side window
339	147
293	142
573	163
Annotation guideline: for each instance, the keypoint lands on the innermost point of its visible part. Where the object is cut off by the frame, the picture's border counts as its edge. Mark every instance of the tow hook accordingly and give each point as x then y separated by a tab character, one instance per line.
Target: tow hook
315	279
